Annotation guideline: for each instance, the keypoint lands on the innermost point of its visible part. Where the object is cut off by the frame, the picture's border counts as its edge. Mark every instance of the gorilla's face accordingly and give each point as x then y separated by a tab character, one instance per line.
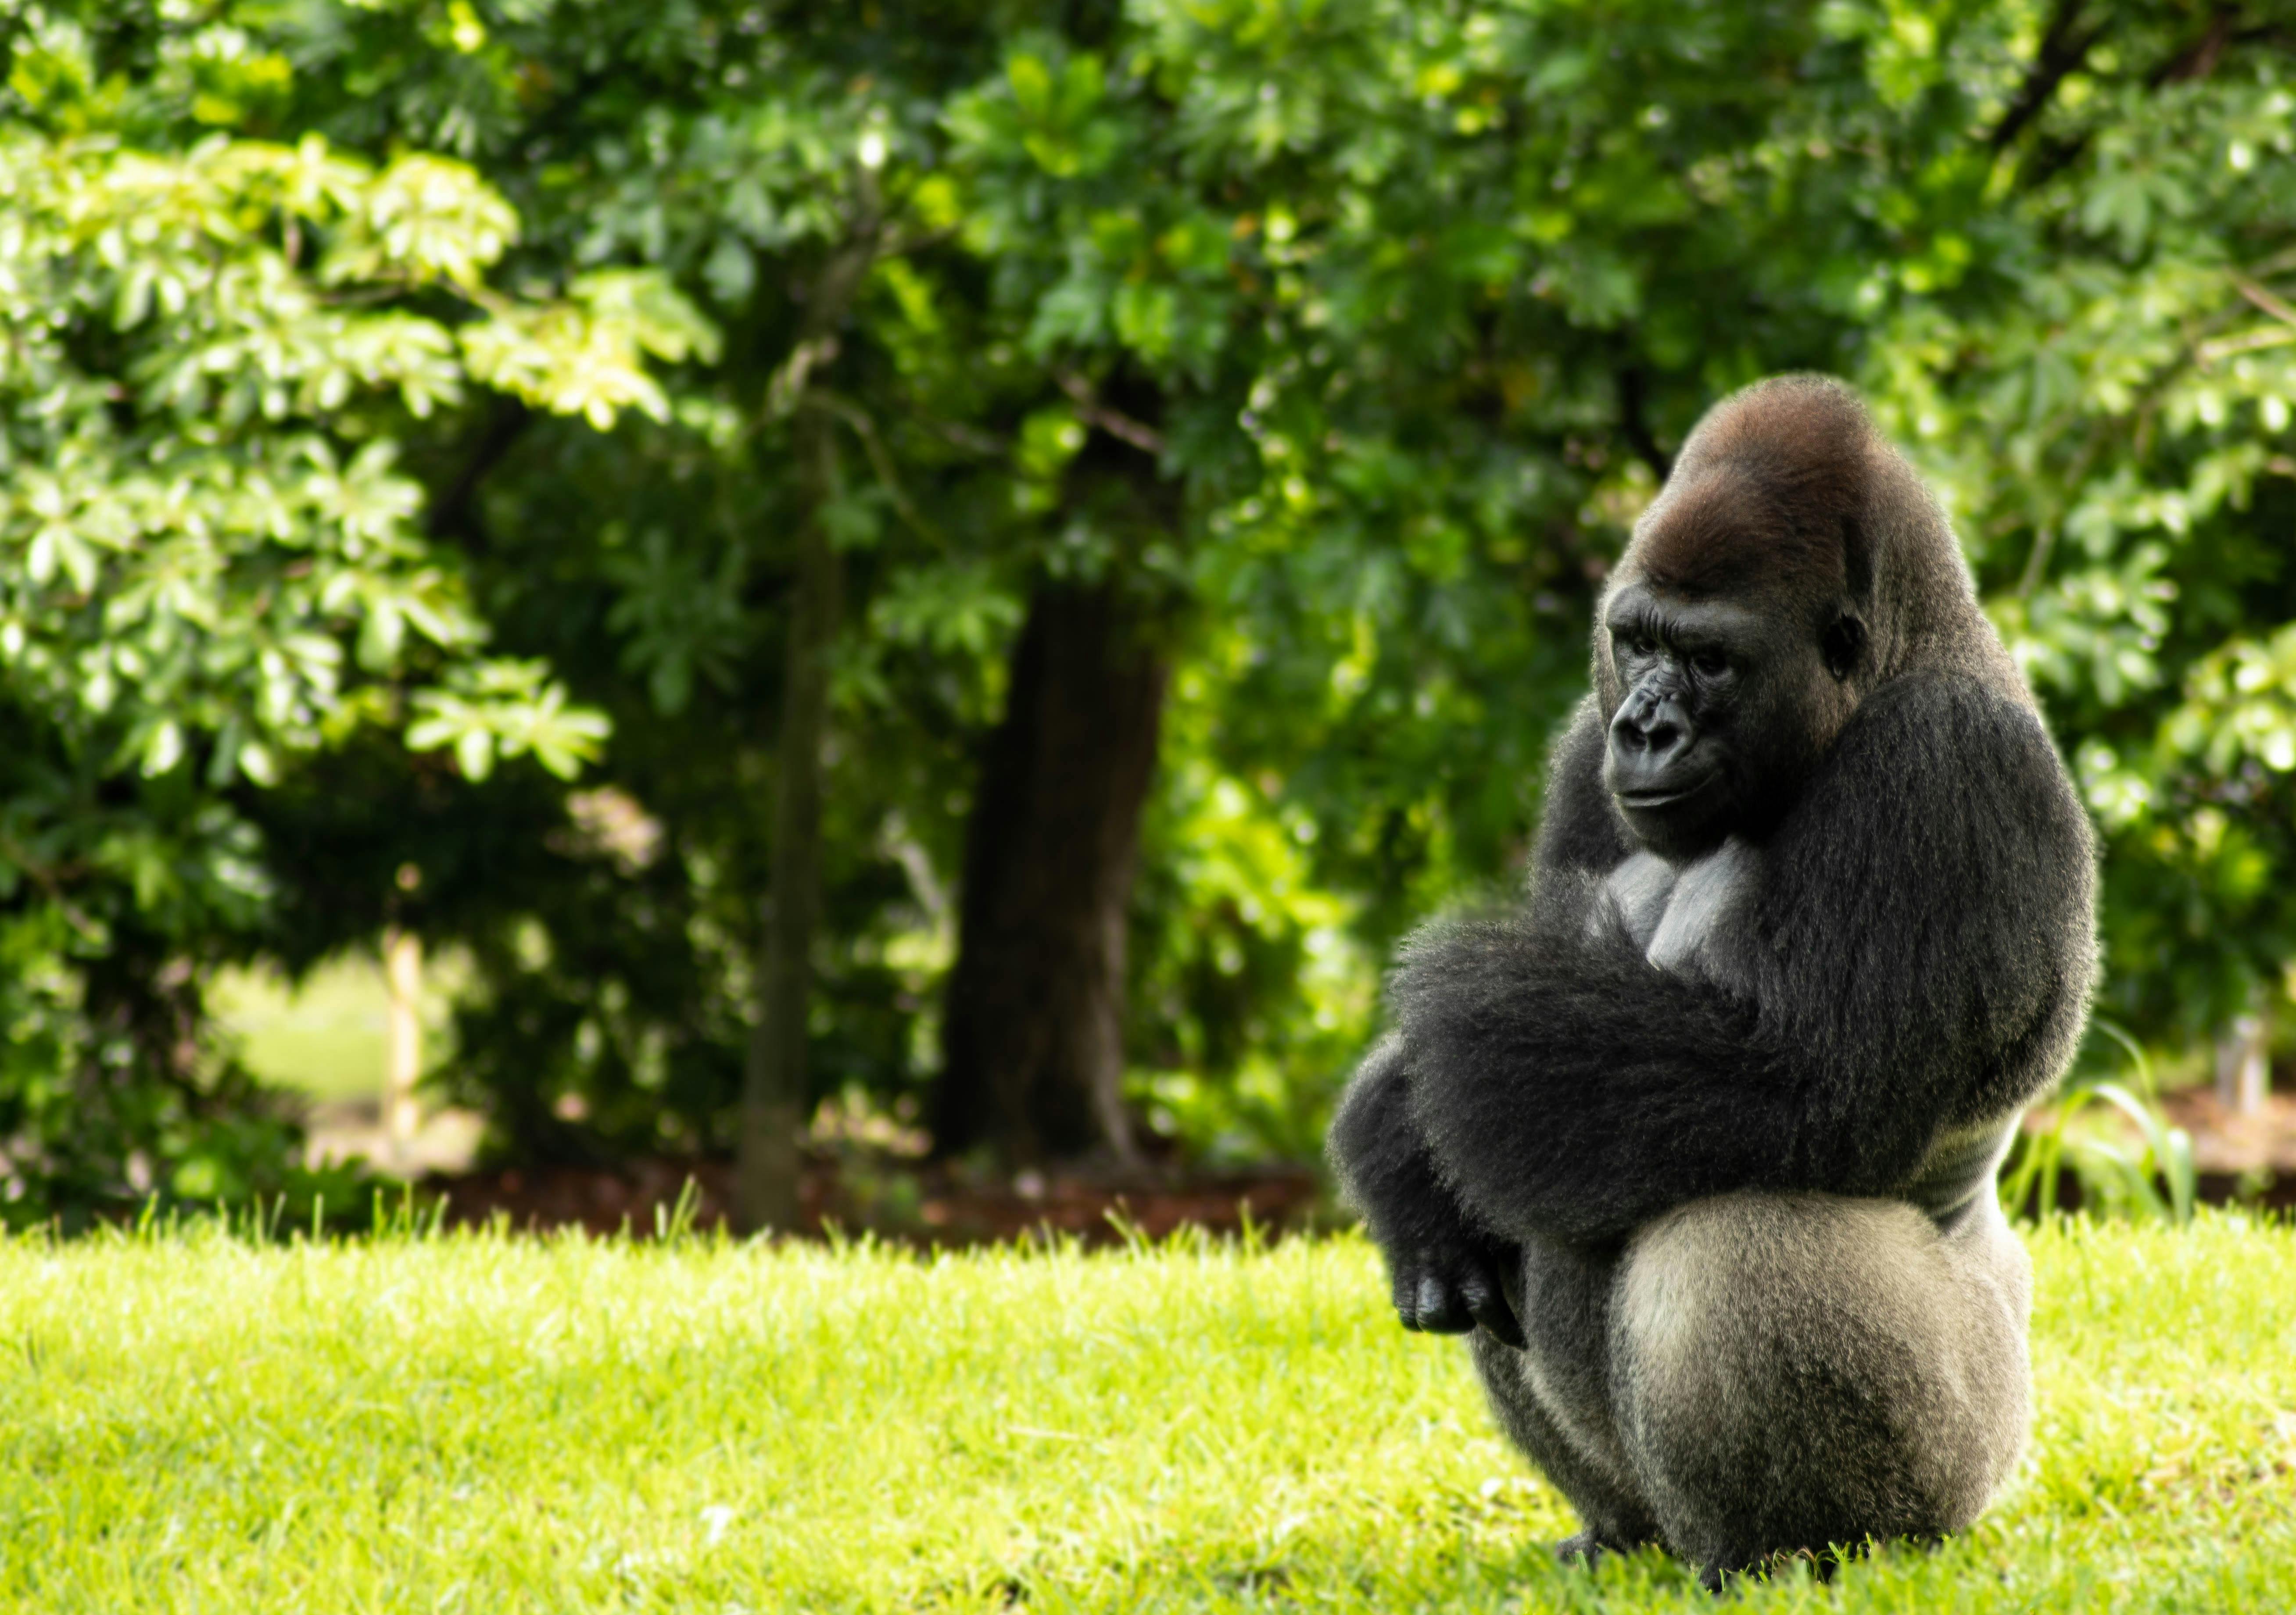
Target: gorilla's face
1725	705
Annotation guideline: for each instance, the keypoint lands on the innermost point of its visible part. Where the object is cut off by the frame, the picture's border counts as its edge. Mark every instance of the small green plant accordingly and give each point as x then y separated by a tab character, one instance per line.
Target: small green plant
2155	1182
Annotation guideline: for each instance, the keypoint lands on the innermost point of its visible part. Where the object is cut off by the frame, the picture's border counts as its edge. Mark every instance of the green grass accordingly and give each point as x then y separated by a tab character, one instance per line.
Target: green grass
477	1422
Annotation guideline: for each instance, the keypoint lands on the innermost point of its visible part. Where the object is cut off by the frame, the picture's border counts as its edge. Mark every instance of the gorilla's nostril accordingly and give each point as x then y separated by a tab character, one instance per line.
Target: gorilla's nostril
1653	727
1651	740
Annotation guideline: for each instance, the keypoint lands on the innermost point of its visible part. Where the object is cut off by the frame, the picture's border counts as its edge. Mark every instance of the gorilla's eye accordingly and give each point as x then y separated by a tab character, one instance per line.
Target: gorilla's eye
1713	664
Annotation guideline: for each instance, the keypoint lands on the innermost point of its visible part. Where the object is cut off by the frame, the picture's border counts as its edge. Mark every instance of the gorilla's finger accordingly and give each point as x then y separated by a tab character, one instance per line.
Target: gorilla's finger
1487	1304
1406	1294
1440	1310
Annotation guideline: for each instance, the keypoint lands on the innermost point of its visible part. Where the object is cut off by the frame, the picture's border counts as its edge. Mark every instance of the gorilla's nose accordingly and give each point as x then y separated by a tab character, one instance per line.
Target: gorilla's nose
1651	735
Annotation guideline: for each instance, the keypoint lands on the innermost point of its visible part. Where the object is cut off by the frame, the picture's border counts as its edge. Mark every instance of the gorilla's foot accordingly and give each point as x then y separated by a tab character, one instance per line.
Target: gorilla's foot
1590	1547
1717	1574
1585	1548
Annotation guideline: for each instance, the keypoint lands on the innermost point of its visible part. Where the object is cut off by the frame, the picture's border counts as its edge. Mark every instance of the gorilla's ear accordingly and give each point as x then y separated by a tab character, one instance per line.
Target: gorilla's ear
1842	644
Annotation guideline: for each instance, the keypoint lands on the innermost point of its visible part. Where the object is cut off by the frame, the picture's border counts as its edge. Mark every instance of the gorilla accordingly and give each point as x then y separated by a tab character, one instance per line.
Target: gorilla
1699	1139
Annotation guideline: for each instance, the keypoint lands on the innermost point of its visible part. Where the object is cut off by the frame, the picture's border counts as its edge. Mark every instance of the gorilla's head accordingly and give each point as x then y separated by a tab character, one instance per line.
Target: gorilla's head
1725	702
1791	564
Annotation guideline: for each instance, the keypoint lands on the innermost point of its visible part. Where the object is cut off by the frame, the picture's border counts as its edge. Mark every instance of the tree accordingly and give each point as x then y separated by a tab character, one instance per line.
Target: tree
784	182
2110	425
1304	268
211	348
1033	1042
1138	527
1478	272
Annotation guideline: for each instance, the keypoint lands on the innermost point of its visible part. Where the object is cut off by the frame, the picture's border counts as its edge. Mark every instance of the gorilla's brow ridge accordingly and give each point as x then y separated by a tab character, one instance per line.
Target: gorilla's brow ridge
1639	613
1690	625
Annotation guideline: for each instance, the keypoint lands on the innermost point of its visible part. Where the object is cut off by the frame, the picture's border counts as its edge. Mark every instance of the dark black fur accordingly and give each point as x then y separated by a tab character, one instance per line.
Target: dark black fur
1913	957
1449	1277
1902	982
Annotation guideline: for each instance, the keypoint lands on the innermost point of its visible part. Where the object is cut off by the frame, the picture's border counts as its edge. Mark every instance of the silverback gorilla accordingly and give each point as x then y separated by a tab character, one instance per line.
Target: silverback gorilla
1699	1140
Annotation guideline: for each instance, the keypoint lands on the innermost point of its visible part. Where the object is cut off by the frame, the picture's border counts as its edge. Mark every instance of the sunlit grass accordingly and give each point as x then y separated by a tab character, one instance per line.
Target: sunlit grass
481	1423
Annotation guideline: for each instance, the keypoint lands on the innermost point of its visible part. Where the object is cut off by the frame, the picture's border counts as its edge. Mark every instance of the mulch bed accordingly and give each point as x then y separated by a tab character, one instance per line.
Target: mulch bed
2250	1158
2230	1144
922	1207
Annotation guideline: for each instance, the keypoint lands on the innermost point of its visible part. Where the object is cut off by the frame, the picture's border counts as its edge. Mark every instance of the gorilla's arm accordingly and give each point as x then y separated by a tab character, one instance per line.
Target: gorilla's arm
1446	1272
1917	953
1442	1266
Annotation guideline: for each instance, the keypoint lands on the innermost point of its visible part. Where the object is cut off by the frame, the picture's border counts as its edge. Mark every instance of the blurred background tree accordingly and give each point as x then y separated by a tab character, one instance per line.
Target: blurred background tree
1080	521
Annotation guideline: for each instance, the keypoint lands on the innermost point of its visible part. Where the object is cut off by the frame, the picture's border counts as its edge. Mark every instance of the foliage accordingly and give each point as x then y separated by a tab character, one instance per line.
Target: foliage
649	567
2113	1179
530	1425
2111	437
208	352
1257	993
1346	340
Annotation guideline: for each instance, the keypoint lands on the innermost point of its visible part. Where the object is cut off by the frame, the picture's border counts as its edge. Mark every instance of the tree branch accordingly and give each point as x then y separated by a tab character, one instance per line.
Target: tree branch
828	299
455	513
1118	425
787	386
51	882
2201	60
2264	299
858	421
2063	48
900	244
1634	424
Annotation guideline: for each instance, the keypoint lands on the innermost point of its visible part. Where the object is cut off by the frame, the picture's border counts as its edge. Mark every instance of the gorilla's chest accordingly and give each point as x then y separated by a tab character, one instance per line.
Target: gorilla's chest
1682	916
1690	919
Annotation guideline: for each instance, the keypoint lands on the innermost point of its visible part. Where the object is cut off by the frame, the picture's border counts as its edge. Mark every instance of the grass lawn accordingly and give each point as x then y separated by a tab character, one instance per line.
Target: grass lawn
483	1423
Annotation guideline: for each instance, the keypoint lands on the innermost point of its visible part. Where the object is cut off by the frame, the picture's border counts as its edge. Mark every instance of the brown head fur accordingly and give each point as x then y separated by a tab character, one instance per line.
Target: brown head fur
1766	494
1786	490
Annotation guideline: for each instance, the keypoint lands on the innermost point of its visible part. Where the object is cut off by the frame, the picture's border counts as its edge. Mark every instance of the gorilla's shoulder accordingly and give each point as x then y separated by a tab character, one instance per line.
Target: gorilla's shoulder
1938	880
1953	694
1945	755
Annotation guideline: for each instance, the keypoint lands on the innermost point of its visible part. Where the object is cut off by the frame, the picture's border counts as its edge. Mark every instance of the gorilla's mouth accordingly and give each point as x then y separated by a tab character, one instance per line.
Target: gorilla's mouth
1651	798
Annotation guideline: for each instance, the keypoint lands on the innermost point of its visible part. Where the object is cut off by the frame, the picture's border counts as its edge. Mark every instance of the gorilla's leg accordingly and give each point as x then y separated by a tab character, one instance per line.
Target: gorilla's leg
1553	1396
1797	1370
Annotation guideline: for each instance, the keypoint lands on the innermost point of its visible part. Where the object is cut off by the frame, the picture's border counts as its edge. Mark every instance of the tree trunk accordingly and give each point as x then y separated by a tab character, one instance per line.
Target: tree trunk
774	1080
1032	1036
774	1075
402	1059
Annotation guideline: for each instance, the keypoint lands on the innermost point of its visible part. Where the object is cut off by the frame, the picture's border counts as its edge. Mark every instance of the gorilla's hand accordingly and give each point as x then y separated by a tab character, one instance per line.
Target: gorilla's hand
1451	1288
1446	1269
